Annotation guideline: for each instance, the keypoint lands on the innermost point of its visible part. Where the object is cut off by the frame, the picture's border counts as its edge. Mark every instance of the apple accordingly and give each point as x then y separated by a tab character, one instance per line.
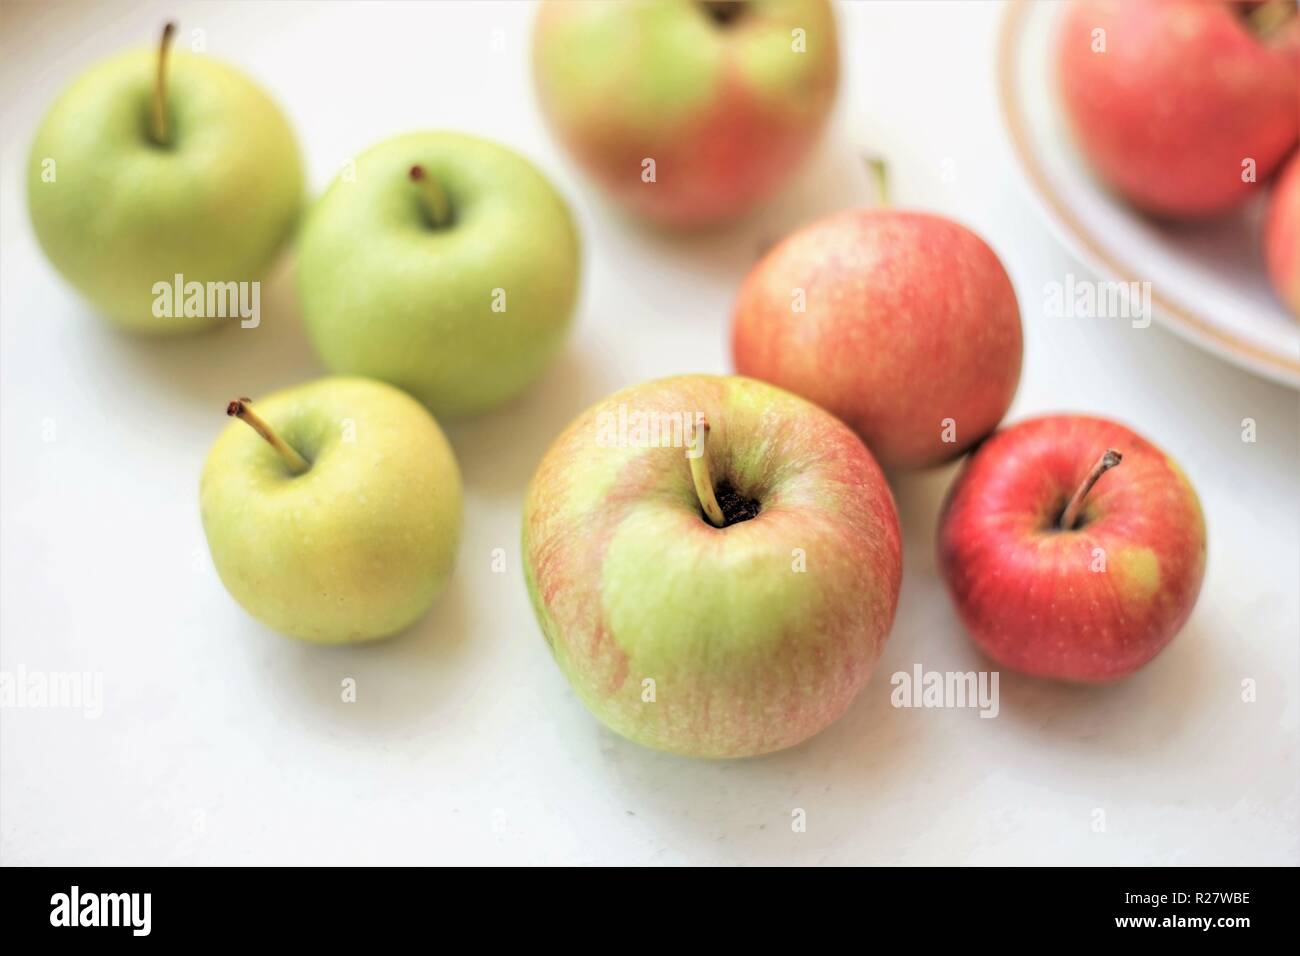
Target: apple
903	324
1184	109
714	562
145	170
336	516
443	264
1072	547
1282	236
688	113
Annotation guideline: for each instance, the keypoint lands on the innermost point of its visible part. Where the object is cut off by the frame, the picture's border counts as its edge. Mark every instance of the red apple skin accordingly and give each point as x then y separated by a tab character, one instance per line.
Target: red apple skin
1028	592
1182	95
746	123
910	320
1282	236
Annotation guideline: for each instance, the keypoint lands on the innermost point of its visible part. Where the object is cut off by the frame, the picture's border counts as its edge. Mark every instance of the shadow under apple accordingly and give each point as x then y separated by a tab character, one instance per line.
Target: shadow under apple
209	368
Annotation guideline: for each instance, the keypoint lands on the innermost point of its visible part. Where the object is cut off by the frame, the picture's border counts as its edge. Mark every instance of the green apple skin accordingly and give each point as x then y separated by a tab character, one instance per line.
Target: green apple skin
727	107
387	295
215	205
358	546
748	654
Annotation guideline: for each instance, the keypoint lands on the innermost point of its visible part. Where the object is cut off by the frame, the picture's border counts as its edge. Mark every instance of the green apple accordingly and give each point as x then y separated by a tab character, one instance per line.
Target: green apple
145	170
444	264
717	598
336	516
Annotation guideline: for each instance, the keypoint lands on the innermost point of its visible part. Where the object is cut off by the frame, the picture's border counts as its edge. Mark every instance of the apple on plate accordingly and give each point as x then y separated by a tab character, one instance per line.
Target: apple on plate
444	264
152	166
687	112
904	324
1073	548
1180	106
714	562
1282	236
335	517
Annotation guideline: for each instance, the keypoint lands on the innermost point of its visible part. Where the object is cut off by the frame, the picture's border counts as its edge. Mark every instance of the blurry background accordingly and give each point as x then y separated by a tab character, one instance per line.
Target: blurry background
221	742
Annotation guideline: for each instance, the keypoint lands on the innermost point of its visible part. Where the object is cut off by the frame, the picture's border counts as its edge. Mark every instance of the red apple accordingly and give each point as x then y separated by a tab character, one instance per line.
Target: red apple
1183	93
724	99
903	324
1282	236
1073	548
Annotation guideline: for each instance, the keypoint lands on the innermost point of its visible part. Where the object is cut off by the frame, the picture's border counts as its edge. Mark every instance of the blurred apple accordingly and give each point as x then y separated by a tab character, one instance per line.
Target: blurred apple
1282	236
1178	105
723	98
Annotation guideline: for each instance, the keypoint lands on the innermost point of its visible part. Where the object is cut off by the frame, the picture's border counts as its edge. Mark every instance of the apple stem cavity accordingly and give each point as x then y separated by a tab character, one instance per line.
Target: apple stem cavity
437	208
1265	19
240	409
880	176
723	12
1070	516
702	480
159	129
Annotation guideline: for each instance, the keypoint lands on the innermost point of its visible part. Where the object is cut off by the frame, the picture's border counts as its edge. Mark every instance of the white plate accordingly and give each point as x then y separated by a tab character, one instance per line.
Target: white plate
1207	281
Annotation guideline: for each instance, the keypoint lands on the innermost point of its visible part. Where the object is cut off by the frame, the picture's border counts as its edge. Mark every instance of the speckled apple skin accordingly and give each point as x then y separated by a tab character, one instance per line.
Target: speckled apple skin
727	113
630	583
1282	236
908	320
1183	94
122	213
387	296
360	545
1040	600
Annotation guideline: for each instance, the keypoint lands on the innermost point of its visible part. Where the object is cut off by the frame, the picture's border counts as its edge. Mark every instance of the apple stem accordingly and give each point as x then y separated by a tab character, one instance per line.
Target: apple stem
160	86
880	175
1070	516
239	408
433	196
703	482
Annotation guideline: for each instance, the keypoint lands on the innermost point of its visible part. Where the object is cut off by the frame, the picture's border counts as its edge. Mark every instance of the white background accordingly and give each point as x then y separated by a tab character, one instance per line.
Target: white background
221	742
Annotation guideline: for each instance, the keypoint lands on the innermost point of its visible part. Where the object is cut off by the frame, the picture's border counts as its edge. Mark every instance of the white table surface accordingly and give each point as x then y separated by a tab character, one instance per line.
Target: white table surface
221	742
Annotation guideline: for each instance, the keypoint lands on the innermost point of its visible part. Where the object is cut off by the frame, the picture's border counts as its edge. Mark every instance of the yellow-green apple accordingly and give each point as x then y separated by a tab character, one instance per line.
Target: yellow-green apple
1282	236
444	264
152	170
714	562
1178	105
687	112
903	324
336	516
1073	548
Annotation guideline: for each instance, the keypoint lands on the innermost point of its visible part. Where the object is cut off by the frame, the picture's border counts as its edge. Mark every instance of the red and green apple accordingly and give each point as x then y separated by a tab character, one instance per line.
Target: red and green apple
688	112
719	578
